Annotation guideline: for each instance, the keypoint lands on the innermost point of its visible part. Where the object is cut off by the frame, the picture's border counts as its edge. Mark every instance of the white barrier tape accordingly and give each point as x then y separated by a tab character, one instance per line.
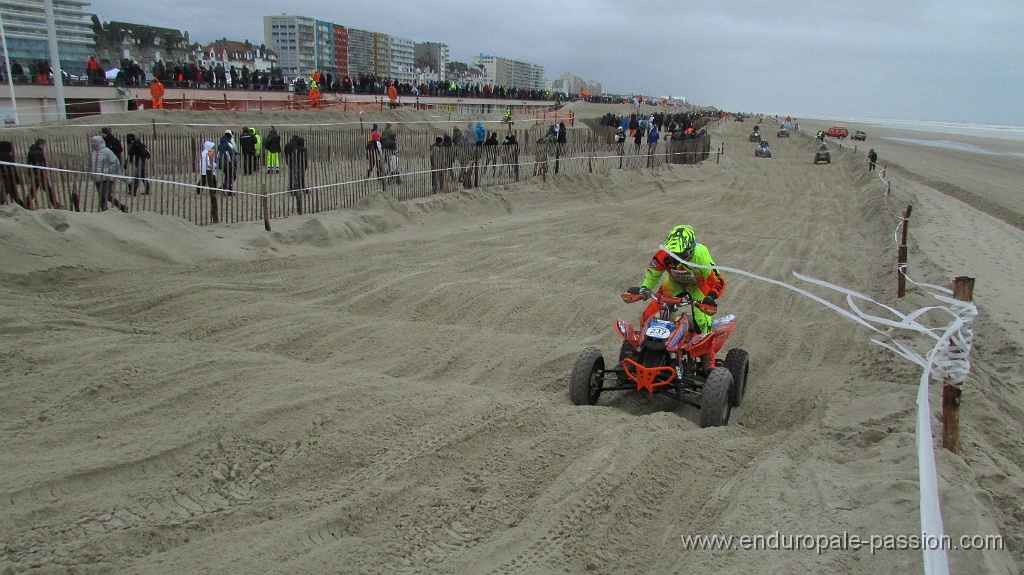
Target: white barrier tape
947	359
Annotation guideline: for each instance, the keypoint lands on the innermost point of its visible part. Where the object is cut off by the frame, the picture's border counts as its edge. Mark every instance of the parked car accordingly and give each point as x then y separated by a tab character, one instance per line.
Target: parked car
823	155
837	132
859	135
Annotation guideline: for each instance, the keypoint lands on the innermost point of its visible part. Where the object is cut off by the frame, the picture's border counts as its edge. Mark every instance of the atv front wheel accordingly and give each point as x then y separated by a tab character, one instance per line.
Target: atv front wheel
714	402
737	361
587	377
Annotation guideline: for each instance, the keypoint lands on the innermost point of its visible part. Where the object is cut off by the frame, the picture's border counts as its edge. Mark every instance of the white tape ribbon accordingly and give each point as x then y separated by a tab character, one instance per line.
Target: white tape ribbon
947	360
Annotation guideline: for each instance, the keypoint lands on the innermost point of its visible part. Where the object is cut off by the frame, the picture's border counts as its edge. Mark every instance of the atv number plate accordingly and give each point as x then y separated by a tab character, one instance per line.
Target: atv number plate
660	330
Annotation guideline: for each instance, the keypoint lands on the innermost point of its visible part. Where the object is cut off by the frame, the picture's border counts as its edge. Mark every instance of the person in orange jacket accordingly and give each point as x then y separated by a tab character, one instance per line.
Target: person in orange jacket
156	90
393	95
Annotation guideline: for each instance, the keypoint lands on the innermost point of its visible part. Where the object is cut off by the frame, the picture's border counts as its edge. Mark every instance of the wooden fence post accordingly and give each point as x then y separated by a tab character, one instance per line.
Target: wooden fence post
901	258
265	201
963	290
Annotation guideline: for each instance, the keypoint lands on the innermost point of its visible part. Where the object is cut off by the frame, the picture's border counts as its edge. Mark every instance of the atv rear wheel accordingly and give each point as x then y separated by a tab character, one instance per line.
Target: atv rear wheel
714	402
587	378
737	361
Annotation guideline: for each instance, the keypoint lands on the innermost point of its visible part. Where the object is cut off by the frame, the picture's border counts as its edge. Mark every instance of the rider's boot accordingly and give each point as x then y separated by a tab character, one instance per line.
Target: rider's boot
707	363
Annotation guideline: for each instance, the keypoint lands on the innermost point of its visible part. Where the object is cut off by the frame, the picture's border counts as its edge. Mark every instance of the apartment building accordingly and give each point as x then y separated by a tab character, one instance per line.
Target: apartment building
293	39
431	60
26	35
505	72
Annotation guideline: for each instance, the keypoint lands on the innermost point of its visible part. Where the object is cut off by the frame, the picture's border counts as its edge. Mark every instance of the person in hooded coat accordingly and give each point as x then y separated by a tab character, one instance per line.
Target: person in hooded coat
481	134
227	159
207	168
104	165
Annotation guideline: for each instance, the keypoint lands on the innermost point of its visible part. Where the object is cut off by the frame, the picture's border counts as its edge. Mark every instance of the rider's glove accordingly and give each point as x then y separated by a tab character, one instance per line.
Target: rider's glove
640	291
709	306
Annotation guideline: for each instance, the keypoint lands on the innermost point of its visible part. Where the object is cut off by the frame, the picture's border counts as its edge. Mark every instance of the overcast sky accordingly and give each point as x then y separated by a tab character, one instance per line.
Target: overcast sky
938	60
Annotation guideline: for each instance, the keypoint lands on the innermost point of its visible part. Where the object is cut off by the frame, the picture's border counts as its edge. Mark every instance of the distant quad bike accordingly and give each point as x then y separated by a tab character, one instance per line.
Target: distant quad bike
667	357
782	133
755	136
823	155
763	151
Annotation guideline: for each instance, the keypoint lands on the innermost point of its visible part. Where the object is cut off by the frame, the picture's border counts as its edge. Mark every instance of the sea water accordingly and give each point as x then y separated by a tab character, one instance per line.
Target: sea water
1000	132
995	131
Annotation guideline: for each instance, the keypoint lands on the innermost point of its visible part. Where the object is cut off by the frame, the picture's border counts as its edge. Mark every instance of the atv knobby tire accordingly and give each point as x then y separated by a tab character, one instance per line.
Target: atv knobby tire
737	361
586	380
714	402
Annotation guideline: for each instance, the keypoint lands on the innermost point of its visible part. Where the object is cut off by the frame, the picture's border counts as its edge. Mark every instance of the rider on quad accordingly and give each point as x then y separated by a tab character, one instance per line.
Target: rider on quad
703	285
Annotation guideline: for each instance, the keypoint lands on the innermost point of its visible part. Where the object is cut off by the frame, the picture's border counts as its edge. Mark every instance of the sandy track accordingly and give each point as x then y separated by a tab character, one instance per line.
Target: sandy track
384	390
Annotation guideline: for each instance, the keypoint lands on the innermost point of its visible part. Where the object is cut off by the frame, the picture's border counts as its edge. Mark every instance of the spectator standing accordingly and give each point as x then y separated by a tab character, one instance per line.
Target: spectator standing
138	155
652	140
437	164
392	95
207	168
93	71
620	139
510	155
227	158
104	165
872	159
638	137
40	178
388	144
373	152
112	143
273	145
9	176
491	153
156	91
17	72
247	142
481	134
297	158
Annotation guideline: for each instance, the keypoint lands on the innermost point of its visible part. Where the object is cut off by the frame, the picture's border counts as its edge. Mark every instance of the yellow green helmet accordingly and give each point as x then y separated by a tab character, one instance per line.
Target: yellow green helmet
680	241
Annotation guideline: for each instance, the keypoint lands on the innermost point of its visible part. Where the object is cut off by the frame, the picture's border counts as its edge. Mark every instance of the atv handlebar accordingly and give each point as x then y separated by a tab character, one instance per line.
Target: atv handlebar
658	297
672	303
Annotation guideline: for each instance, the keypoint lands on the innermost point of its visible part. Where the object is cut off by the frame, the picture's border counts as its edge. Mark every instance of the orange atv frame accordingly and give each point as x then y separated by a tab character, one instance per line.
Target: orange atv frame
667	356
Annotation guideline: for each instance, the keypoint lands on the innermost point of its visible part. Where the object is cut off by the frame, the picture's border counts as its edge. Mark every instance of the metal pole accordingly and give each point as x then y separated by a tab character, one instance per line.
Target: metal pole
58	79
10	77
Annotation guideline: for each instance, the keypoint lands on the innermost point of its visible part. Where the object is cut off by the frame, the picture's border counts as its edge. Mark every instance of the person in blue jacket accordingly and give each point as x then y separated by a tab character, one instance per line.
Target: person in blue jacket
481	134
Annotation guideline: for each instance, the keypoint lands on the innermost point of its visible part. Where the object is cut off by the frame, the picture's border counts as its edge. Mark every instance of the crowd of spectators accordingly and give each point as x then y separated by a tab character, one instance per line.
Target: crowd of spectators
679	124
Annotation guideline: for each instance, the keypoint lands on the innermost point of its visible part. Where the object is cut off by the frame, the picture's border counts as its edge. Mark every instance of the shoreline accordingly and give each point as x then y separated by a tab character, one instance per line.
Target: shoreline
988	182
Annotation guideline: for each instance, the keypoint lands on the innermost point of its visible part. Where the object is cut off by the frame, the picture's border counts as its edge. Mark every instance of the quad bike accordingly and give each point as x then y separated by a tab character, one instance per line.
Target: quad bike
762	151
755	136
667	357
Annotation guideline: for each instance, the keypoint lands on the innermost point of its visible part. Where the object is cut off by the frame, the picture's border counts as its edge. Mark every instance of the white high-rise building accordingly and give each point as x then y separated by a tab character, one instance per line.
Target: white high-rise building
511	73
27	39
403	60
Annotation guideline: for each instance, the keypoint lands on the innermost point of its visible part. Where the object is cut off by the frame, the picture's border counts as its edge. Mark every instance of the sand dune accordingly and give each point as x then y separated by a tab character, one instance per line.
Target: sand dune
384	389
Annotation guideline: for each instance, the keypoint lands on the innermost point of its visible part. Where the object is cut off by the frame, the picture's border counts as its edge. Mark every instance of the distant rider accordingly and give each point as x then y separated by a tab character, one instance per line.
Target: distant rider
703	285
